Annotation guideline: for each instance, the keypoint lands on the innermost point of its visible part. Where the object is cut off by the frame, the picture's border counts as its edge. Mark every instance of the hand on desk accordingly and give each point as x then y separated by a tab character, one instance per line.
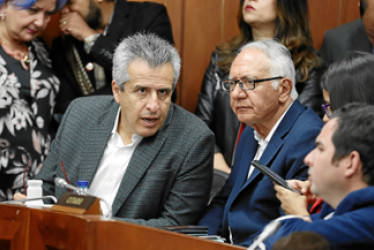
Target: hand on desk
19	196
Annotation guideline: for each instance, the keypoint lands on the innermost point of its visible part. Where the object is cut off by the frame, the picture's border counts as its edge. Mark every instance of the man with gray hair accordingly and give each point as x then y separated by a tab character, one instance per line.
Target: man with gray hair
149	159
279	132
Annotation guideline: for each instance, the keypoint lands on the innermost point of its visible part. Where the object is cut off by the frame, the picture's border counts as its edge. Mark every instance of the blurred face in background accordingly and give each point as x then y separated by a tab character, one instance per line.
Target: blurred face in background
368	20
88	9
23	25
261	12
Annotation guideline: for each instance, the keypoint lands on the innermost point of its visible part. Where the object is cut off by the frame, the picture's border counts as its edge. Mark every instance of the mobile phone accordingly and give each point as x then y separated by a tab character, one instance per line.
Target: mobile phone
272	175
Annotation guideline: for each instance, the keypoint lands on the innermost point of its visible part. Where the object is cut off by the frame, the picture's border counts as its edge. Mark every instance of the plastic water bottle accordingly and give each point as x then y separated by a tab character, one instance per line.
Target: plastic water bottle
83	187
34	190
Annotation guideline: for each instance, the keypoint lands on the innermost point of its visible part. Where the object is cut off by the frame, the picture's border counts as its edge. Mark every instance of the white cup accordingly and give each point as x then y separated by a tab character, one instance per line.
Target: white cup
34	190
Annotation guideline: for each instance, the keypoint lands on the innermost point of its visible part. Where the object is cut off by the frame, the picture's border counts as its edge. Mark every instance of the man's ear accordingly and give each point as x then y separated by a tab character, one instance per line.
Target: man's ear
284	89
352	164
116	91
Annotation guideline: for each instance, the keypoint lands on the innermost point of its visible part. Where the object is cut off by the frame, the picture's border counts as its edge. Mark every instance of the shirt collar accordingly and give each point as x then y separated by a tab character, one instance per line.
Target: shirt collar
135	138
272	131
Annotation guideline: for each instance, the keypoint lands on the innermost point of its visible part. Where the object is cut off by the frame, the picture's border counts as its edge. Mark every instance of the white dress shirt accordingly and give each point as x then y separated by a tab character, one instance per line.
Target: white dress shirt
112	167
262	144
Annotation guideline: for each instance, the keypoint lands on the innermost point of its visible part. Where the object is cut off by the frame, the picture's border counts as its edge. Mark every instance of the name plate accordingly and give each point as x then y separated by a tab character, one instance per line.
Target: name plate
78	204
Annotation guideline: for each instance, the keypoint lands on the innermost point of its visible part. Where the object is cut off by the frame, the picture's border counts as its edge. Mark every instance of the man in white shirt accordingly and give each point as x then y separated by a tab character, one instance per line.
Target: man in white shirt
149	159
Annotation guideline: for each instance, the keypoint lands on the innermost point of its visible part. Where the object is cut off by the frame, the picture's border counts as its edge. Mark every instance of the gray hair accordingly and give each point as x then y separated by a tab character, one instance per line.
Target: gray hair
281	63
148	47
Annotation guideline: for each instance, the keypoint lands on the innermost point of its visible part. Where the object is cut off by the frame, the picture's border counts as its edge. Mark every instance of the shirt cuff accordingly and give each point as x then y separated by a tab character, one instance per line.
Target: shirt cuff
89	42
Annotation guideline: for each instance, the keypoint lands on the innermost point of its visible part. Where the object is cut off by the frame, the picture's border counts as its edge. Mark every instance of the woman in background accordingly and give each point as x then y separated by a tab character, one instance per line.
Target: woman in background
347	80
285	20
27	91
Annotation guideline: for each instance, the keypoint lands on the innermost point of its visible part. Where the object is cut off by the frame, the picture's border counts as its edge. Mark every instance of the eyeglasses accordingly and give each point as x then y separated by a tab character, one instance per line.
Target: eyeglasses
327	109
245	84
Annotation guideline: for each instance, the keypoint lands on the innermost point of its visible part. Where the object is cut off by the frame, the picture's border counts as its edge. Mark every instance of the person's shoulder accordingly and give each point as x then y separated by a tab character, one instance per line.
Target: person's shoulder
344	29
92	103
188	121
307	118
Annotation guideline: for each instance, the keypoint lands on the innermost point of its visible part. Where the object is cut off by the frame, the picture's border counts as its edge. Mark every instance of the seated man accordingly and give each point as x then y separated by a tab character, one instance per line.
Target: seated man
357	35
279	133
149	159
341	171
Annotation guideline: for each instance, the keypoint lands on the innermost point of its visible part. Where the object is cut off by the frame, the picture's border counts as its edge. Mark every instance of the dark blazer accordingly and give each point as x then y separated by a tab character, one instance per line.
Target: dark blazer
345	38
168	178
128	19
246	205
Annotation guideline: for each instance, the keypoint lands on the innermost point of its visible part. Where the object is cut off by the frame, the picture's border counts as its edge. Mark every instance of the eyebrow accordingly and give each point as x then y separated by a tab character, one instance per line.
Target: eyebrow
139	86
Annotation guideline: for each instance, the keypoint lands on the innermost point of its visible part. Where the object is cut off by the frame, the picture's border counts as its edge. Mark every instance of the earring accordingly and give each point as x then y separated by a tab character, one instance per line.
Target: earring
2	16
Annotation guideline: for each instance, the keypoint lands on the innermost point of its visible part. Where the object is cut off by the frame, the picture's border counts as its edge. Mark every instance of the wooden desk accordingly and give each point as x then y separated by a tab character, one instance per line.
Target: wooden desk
30	228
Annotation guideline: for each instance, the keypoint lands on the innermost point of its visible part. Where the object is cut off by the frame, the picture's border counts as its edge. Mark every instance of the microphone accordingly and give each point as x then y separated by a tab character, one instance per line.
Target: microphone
59	182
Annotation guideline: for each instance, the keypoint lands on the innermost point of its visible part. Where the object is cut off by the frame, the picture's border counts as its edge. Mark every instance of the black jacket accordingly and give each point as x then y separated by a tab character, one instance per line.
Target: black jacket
214	105
128	19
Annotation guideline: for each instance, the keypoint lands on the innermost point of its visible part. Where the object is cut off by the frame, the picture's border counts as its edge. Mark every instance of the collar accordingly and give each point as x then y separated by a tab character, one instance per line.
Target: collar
272	131
113	135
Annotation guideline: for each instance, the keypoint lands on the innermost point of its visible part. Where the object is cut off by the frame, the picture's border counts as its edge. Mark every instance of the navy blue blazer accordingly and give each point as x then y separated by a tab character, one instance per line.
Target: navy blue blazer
351	227
246	205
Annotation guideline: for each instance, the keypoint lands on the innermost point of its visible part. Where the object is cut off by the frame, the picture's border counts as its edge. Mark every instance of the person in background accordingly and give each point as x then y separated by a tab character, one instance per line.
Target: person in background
279	133
28	90
357	35
82	57
341	172
286	20
349	79
148	158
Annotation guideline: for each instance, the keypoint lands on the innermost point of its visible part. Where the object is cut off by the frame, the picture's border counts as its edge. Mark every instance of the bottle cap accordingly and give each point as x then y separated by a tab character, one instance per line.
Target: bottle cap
83	184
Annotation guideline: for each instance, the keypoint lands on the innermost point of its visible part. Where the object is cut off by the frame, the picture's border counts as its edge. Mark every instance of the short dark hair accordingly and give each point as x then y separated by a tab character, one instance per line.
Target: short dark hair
350	79
355	132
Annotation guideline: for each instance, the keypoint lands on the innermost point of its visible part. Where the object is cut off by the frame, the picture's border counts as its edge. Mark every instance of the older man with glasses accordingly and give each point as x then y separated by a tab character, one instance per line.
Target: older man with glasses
279	133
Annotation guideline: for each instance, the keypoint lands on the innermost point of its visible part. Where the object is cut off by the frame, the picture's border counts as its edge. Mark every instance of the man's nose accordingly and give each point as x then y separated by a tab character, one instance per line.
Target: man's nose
308	160
236	92
153	102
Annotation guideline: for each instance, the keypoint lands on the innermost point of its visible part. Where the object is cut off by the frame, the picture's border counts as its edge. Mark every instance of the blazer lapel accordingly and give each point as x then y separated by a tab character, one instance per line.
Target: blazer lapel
246	155
97	142
276	141
141	160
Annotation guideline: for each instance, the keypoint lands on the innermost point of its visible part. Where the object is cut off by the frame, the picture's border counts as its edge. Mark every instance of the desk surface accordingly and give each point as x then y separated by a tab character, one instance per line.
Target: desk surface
31	228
